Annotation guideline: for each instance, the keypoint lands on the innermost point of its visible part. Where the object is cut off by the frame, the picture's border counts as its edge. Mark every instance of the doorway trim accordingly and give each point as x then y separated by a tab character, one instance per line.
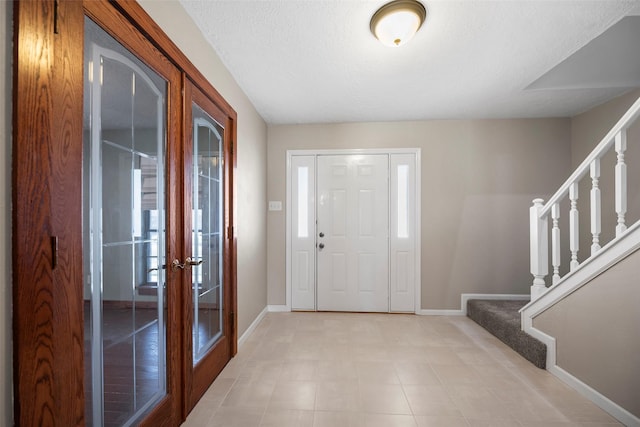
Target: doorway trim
288	214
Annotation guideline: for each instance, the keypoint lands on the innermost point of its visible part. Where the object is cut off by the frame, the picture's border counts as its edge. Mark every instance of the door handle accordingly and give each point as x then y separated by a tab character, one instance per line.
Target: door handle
192	262
321	234
321	245
175	265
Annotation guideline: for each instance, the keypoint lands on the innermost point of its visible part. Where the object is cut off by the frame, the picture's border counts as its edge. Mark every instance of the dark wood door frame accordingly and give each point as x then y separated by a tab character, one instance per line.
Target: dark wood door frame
47	203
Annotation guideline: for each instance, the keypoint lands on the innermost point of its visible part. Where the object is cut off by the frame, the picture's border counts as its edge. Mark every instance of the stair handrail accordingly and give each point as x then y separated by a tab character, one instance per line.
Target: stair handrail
539	213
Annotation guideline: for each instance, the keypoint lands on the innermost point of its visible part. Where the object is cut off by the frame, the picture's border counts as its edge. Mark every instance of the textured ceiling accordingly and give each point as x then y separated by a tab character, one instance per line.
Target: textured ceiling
312	61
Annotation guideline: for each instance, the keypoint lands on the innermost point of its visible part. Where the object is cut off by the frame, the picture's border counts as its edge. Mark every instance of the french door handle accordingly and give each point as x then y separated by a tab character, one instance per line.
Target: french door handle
175	265
192	262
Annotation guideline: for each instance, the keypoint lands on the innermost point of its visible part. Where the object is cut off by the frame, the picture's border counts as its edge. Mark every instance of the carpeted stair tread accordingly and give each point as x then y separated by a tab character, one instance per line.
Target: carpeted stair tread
502	319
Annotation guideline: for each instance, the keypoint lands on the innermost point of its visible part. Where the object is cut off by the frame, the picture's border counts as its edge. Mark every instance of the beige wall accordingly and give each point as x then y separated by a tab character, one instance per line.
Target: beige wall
251	149
478	180
597	334
6	371
587	130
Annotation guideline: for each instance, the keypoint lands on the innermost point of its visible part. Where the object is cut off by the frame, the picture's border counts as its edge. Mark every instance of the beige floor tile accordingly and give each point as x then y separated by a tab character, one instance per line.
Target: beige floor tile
287	418
407	354
218	391
497	377
336	351
337	419
451	375
564	424
299	370
235	417
430	400
261	370
388	420
383	399
442	356
370	353
476	356
492	423
364	370
416	373
440	421
585	412
477	402
294	395
336	370
337	396
199	416
377	372
249	394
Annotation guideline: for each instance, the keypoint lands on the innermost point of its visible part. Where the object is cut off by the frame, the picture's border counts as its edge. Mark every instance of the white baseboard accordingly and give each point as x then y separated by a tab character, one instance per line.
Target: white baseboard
615	410
439	313
466	297
252	327
278	308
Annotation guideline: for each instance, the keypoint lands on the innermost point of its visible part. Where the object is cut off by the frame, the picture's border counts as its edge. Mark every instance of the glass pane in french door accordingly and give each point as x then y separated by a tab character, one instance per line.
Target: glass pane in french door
207	222
123	233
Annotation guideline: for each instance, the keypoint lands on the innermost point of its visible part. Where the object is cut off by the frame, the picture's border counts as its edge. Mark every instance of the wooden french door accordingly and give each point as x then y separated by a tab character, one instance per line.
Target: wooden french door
131	227
124	254
207	212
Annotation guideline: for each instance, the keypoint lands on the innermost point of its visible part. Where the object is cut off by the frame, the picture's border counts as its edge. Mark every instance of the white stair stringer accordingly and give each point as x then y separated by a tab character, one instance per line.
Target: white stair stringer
617	250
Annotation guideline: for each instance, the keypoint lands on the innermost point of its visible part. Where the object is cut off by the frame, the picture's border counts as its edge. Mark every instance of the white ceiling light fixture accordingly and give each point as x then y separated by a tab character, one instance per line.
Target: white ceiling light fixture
395	23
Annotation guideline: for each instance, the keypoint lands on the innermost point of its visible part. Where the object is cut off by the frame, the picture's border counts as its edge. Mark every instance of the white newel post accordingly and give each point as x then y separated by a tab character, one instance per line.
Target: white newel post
595	206
574	232
621	182
555	243
539	249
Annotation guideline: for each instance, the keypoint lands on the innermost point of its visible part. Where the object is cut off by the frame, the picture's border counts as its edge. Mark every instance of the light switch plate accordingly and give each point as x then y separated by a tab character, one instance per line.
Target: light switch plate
275	205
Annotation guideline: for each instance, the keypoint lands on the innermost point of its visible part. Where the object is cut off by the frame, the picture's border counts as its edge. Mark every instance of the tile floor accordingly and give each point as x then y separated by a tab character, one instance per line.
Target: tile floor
369	370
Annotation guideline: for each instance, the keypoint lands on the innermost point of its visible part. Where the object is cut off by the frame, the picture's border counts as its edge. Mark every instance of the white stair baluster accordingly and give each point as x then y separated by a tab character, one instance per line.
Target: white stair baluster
595	206
539	249
621	181
574	229
555	243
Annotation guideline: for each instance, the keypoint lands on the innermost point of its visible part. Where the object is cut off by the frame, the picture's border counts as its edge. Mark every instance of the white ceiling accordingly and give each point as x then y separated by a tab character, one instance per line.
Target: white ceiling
315	61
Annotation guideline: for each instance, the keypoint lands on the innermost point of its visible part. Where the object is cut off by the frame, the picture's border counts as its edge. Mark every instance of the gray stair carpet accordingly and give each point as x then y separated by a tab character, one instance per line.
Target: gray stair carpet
502	319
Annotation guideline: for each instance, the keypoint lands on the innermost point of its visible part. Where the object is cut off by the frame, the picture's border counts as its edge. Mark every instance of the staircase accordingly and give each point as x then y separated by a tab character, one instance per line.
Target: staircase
563	316
577	315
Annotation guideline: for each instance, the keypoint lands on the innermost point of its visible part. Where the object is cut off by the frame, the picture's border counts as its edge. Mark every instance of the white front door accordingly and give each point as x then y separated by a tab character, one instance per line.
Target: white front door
353	232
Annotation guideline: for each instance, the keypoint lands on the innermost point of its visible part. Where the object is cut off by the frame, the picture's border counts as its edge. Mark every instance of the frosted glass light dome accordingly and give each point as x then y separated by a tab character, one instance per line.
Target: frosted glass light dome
395	23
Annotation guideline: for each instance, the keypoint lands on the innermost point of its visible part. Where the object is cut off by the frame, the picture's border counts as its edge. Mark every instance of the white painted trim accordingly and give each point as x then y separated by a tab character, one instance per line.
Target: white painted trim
615	410
605	258
287	233
418	194
463	304
278	308
252	327
466	297
345	151
611	254
427	312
